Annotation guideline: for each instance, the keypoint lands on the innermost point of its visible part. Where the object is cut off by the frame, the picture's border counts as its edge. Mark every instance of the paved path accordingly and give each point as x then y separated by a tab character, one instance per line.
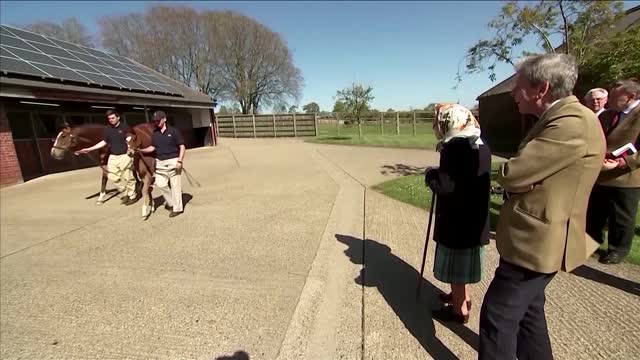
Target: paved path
267	259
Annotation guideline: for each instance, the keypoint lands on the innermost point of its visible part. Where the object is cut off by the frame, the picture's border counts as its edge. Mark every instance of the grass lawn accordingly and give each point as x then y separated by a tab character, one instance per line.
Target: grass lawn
372	136
412	190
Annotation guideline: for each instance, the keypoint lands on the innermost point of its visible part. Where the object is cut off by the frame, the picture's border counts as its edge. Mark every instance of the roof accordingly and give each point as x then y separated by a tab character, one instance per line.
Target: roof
631	18
37	89
137	83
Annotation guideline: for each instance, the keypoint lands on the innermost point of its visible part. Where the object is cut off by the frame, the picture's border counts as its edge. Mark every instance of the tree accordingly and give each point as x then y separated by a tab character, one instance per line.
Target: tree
618	59
293	109
257	66
430	108
311	108
356	101
224	110
70	30
280	108
175	41
390	110
339	107
225	54
582	26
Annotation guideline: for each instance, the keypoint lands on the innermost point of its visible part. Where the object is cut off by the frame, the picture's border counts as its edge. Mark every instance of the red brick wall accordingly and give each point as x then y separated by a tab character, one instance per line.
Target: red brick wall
9	167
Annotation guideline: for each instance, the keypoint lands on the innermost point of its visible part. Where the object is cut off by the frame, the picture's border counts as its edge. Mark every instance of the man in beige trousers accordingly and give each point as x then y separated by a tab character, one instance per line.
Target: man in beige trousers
541	229
119	164
169	146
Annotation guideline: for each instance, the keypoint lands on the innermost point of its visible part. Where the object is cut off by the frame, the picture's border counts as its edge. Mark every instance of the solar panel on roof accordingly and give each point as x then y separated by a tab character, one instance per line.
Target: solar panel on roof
16	66
89	59
74	64
128	83
4	31
12	41
51	50
27	53
68	46
99	79
108	71
62	73
133	75
6	53
25	35
33	56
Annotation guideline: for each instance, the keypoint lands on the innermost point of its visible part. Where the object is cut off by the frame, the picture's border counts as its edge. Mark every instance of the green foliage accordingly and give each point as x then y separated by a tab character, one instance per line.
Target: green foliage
615	59
339	107
430	108
311	108
582	26
356	99
293	109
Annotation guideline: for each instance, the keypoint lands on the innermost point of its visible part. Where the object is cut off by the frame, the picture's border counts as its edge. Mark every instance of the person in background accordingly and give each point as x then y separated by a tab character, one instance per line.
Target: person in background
462	184
119	163
541	229
596	100
169	146
614	199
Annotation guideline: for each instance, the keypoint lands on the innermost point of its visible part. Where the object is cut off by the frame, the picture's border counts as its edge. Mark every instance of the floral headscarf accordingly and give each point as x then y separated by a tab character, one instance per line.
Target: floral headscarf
456	121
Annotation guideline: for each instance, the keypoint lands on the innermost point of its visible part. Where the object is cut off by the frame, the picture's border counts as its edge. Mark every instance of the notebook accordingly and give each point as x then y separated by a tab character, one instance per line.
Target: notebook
625	150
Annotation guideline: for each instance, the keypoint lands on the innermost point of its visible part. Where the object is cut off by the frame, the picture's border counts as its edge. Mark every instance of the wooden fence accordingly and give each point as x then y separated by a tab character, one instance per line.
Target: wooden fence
267	125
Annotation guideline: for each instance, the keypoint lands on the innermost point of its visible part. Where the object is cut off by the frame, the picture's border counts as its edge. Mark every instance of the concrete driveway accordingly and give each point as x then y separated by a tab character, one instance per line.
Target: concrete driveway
267	262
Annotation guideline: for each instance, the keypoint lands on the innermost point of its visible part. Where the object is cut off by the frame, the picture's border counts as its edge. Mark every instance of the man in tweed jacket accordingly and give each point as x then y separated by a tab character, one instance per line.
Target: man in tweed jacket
541	229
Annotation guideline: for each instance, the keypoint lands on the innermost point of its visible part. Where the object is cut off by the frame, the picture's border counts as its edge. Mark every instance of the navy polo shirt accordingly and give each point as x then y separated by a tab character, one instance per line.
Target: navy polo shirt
116	137
167	143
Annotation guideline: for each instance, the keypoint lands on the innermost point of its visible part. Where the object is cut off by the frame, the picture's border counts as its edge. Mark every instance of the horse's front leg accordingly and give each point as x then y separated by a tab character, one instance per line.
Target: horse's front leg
147	204
103	190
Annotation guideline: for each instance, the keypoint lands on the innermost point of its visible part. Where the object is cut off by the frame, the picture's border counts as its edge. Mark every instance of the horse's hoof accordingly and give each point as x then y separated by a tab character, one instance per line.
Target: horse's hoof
144	218
99	202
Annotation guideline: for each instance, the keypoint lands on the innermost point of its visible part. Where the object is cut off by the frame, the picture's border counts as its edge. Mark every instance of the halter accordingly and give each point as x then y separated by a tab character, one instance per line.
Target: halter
73	142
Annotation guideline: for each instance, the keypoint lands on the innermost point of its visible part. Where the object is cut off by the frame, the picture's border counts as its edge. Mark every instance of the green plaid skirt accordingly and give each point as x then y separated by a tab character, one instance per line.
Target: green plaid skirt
458	266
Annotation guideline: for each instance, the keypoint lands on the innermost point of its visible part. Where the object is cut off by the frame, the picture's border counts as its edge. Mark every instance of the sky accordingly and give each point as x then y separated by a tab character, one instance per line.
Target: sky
409	52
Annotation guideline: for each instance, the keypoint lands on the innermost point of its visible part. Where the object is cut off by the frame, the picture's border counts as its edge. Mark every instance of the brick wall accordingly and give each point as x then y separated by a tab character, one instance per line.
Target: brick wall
9	167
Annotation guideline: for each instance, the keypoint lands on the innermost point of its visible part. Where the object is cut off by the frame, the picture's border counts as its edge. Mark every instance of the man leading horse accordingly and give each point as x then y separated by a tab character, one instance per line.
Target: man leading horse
120	163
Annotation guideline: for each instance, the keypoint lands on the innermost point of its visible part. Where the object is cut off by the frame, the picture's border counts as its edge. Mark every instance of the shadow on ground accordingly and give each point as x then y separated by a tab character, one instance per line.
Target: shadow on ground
396	281
159	201
601	277
238	355
402	169
112	192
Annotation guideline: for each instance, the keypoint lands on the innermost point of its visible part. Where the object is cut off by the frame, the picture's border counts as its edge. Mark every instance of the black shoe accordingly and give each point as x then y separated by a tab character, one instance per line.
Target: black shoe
125	199
612	258
447	314
168	208
132	200
174	214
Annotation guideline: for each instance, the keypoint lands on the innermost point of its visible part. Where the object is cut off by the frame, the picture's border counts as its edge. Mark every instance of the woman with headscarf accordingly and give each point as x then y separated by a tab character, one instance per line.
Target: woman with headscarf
462	185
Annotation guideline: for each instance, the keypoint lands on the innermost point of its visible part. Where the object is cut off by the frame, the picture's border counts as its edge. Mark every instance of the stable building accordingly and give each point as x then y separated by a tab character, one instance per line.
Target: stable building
45	83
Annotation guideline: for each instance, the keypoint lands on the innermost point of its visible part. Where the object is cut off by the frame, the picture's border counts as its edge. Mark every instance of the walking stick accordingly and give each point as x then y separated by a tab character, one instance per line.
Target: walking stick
426	243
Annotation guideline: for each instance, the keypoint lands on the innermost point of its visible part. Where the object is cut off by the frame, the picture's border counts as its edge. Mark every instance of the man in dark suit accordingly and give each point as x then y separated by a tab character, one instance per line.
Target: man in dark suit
541	229
615	197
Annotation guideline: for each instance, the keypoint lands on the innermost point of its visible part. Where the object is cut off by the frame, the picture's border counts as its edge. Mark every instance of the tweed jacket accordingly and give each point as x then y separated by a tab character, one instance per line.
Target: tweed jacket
542	223
620	133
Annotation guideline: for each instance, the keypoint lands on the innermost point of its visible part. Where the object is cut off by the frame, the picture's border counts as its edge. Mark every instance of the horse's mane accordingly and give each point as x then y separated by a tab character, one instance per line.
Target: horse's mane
143	133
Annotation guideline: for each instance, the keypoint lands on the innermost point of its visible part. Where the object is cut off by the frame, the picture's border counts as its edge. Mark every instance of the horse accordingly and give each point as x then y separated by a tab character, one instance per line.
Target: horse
75	138
78	137
145	164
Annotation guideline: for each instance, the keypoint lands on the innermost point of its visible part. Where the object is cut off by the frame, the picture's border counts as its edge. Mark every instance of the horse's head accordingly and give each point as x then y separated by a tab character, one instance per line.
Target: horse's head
133	143
65	141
